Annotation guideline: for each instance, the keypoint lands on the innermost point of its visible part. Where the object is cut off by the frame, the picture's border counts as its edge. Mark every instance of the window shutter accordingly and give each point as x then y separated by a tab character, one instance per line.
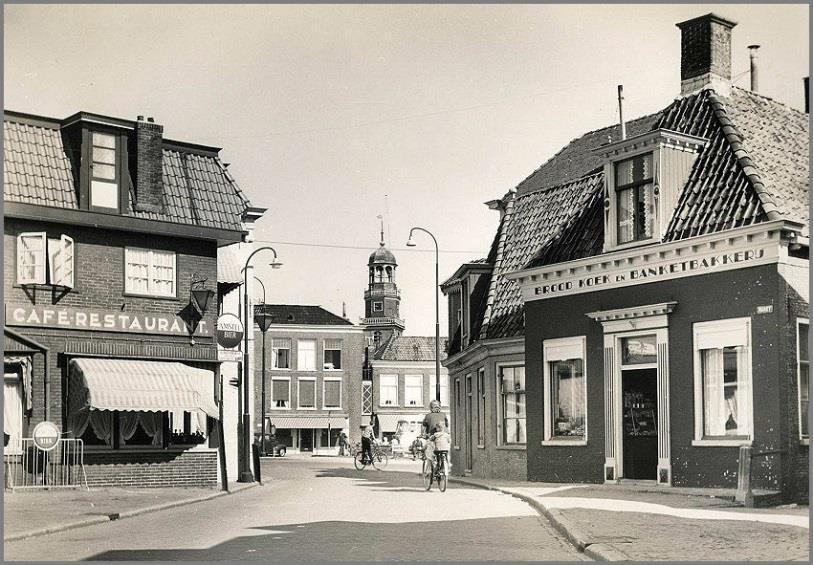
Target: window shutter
279	390
306	393
31	250
333	394
65	260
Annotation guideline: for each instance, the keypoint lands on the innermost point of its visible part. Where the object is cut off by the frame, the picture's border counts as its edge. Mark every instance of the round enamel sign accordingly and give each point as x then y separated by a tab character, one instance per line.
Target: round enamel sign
45	435
229	330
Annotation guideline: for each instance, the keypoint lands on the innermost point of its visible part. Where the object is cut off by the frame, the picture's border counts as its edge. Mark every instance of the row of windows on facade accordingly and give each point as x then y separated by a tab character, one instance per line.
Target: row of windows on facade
306	354
723	388
45	260
305	393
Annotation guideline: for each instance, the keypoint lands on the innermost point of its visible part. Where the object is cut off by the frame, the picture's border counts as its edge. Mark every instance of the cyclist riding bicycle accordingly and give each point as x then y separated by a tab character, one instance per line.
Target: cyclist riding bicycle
435	422
367	438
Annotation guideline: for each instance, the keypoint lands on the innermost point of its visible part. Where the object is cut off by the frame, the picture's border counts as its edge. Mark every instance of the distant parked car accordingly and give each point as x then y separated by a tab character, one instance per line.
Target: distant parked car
279	450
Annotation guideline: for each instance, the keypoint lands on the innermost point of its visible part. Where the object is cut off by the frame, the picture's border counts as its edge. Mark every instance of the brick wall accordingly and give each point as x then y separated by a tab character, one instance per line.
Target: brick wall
151	469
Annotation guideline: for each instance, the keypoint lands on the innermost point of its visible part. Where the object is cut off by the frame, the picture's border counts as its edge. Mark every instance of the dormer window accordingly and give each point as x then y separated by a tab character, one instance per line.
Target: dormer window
104	177
635	203
644	176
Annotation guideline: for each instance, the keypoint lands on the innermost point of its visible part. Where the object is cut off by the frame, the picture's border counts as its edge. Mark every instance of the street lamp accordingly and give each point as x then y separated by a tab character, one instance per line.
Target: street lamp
411	243
264	320
245	439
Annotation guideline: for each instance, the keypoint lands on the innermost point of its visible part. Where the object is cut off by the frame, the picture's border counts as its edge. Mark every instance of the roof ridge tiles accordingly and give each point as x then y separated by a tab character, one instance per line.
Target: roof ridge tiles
785	105
735	140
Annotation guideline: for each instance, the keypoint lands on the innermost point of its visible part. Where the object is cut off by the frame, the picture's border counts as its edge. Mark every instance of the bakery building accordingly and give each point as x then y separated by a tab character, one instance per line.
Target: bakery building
313	361
111	240
662	265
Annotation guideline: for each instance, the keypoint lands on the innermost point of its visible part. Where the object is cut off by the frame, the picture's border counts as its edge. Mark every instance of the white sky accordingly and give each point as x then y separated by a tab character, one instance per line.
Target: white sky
324	110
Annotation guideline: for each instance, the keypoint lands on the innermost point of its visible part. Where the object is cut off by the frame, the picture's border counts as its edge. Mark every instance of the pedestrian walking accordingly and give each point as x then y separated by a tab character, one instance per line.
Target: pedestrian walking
342	443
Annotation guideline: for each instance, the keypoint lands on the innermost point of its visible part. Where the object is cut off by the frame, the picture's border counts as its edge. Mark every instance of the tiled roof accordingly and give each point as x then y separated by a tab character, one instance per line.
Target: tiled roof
409	348
302	315
754	167
198	190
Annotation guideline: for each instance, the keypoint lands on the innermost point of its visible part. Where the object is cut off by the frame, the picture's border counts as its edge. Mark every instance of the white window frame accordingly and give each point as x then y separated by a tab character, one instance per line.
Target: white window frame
100	182
150	273
299	357
44	266
498	399
727	329
433	388
805	440
299	396
381	388
611	216
66	248
274	350
273	406
407	387
341	391
13	381
365	384
325	349
38	265
561	349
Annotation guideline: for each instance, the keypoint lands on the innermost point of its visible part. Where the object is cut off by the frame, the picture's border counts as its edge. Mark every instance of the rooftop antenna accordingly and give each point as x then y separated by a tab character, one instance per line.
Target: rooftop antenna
621	111
380	217
387	213
344	309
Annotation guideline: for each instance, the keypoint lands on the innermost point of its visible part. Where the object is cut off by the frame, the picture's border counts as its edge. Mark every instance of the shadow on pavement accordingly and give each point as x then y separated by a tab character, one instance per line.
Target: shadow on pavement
365	541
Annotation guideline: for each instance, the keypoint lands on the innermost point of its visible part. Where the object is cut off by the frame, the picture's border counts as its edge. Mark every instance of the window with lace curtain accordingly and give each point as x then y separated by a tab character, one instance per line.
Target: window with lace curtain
723	393
149	272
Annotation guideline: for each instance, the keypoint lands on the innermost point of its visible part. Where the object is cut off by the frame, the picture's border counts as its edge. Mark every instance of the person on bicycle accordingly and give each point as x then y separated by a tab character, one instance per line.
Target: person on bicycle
434	421
367	437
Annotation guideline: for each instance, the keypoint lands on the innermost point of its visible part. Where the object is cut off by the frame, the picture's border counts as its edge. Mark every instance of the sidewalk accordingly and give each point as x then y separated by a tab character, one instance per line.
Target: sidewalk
34	513
635	522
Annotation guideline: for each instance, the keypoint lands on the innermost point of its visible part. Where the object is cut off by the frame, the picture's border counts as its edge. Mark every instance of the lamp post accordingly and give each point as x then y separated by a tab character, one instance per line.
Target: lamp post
245	441
264	320
411	243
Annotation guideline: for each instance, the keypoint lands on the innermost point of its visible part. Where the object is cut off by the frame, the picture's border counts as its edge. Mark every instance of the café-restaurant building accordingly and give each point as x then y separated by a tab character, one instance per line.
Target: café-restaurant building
111	241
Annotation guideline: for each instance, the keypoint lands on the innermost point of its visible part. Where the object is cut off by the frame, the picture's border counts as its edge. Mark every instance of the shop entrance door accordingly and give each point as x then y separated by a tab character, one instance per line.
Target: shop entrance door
640	423
305	439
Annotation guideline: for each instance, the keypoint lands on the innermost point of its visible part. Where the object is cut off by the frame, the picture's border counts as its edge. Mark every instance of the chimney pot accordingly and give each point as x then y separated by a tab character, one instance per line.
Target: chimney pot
151	120
140	118
752	52
147	162
705	54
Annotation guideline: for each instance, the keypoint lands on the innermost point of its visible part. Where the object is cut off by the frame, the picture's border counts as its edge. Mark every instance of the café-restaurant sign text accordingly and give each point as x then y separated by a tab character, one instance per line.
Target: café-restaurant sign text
100	320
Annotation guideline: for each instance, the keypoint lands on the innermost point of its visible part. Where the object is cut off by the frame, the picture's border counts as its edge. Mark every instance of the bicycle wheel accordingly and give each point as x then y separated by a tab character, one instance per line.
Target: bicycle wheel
443	480
427	474
358	461
381	461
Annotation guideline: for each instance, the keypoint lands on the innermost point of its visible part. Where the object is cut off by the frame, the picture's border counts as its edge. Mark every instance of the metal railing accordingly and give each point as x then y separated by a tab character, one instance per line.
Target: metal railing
27	467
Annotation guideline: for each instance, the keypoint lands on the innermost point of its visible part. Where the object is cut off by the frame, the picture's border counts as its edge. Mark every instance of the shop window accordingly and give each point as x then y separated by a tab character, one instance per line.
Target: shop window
481	406
307	393
444	389
333	355
104	181
280	353
186	428
413	390
723	393
388	390
306	354
635	203
566	390
366	398
13	402
146	429
332	393
149	272
512	404
280	393
458	412
93	427
803	350
43	260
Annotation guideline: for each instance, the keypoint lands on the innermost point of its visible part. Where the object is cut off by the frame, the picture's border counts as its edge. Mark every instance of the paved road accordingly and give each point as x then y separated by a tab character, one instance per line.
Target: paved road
320	508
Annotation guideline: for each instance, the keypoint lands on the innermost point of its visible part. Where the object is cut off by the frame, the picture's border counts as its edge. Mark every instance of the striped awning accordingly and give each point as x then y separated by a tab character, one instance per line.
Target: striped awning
229	265
308	422
141	386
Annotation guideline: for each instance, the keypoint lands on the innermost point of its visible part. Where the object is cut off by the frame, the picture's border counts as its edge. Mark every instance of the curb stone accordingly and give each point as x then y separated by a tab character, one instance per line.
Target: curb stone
119	515
578	538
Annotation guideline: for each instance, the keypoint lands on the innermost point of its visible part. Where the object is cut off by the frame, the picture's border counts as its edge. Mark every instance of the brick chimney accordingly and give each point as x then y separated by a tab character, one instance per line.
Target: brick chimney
705	54
149	158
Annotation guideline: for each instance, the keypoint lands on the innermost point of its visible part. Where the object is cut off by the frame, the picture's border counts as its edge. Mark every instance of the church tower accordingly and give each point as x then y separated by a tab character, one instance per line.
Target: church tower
382	298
